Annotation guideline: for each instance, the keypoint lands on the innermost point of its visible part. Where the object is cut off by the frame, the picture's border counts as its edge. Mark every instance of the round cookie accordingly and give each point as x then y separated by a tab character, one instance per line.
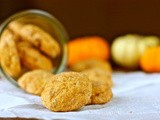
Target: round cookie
34	81
101	85
10	60
67	91
91	63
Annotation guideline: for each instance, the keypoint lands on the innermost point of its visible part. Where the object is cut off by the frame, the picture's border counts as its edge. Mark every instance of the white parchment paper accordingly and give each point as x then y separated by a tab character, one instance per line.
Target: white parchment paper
136	97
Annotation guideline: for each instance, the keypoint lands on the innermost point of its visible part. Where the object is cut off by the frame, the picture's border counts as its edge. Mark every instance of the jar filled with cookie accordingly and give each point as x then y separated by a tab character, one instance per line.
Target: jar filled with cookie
30	40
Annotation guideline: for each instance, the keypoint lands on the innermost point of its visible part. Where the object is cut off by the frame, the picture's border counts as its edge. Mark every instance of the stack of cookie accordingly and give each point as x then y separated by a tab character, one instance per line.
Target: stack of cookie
28	54
26	47
99	73
69	91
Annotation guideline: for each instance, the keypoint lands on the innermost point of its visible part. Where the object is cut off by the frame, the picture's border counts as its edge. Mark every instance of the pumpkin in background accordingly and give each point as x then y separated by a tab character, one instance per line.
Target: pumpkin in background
87	48
126	50
150	60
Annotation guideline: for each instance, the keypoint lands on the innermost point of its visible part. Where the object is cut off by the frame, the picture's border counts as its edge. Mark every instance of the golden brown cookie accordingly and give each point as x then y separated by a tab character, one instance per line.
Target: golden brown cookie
99	74
38	37
67	91
32	58
101	85
10	60
102	97
91	63
34	81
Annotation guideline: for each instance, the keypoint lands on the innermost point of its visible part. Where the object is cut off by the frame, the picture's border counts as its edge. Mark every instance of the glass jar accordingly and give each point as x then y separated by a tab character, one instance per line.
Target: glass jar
48	23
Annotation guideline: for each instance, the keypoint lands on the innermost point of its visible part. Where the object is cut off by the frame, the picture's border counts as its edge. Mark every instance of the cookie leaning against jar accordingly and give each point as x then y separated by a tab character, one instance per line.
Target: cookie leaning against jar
34	81
67	91
10	60
91	63
101	85
32	58
37	36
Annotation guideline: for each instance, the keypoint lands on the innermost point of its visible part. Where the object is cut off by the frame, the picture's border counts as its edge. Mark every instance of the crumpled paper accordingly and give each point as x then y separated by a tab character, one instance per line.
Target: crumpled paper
136	97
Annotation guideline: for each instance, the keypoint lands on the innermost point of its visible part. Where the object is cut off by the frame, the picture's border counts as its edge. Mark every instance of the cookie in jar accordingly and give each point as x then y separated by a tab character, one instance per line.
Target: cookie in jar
31	40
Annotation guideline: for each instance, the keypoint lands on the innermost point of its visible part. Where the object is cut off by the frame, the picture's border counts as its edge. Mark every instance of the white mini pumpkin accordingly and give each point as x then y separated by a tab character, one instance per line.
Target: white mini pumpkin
126	50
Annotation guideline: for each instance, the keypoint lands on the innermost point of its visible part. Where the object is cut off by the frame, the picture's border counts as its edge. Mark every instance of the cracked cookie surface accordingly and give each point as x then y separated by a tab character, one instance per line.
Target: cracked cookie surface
67	91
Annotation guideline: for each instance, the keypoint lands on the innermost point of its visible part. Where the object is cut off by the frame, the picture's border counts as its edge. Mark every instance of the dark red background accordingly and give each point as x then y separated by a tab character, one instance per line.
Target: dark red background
107	18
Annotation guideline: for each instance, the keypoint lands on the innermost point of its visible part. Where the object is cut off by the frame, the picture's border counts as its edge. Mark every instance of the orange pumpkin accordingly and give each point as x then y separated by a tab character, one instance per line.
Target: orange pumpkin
86	48
150	60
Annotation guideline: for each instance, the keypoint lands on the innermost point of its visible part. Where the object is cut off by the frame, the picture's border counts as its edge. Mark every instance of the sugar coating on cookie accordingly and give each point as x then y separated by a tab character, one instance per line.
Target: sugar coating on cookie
91	63
34	81
10	60
101	85
67	91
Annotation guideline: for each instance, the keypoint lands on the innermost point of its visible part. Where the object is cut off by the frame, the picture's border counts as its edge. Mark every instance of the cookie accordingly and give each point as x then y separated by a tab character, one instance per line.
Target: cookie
97	74
91	63
67	91
34	81
102	97
38	37
10	60
101	85
32	58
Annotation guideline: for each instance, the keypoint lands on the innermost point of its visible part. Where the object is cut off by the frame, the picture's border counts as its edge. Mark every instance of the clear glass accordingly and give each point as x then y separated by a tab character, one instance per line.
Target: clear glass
47	22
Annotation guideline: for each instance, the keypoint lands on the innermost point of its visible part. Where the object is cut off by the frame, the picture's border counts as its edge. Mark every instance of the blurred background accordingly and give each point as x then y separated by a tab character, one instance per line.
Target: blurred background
107	18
